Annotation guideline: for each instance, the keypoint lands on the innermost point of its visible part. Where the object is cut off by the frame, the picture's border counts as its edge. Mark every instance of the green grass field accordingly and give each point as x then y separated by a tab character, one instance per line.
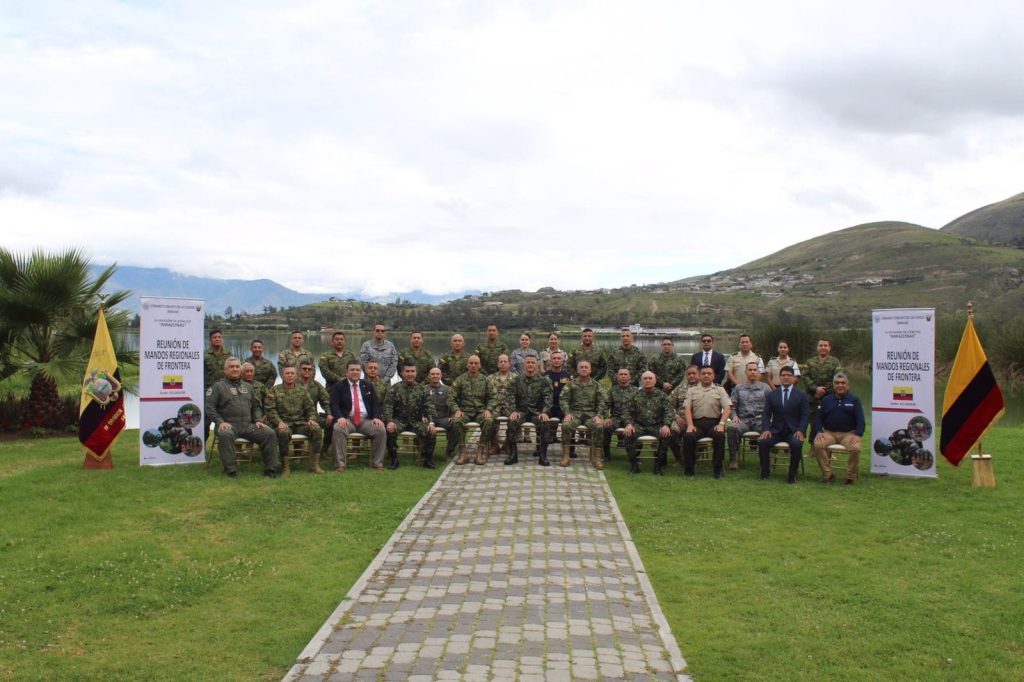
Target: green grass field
181	573
890	579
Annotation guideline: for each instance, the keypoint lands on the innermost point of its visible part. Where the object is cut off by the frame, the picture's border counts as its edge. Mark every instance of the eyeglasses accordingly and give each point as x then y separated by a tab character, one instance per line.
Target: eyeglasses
379	330
307	369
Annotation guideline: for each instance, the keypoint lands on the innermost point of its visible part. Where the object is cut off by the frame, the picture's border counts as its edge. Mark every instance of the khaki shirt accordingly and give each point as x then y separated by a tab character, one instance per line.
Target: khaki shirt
707	403
737	364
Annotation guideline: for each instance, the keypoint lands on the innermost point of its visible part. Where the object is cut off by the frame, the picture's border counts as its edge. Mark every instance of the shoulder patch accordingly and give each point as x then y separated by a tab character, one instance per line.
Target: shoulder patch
209	392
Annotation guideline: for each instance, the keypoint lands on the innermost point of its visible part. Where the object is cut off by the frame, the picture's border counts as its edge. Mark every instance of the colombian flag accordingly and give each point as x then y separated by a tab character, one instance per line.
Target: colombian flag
101	415
973	401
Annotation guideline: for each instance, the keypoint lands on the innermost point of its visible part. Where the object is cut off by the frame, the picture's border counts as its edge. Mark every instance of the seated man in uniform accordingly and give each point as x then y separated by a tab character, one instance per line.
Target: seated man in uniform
467	401
620	395
501	401
320	397
531	398
707	409
677	399
290	410
748	401
649	414
585	404
232	407
409	408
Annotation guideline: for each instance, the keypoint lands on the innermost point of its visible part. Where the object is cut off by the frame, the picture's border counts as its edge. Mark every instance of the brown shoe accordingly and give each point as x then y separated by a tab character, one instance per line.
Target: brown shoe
481	458
340	470
848	481
463	456
378	467
314	464
596	459
734	465
565	458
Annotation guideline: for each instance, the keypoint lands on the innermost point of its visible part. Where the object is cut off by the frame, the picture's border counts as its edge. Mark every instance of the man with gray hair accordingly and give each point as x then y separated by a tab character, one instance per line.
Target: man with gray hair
232	407
839	420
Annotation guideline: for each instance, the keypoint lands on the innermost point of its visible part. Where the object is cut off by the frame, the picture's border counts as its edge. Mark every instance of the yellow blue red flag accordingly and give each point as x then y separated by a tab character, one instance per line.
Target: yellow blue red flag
101	417
973	401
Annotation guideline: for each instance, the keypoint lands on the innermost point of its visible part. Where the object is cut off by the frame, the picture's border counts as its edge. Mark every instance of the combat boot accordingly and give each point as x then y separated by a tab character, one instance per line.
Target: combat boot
634	462
463	456
565	456
596	458
481	456
285	466
513	454
542	455
314	464
393	459
428	459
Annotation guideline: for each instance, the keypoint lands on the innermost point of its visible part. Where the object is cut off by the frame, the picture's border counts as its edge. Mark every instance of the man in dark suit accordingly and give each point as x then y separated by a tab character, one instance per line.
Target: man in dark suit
784	420
709	357
356	409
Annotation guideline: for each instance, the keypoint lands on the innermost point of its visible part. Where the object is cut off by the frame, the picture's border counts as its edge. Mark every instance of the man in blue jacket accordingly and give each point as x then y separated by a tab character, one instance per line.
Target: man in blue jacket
784	421
840	420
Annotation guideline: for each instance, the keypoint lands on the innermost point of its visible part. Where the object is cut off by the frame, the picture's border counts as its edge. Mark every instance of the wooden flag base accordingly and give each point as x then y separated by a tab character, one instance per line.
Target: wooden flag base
984	476
92	463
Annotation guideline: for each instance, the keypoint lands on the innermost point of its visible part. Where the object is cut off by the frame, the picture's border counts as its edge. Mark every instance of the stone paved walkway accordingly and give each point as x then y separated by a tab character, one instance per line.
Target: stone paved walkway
519	572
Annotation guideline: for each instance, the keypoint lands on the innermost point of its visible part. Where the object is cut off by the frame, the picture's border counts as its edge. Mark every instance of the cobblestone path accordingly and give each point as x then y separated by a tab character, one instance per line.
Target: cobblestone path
501	573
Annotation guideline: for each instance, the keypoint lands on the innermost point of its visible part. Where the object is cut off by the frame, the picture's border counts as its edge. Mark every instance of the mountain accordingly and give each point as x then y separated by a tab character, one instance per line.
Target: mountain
238	294
999	223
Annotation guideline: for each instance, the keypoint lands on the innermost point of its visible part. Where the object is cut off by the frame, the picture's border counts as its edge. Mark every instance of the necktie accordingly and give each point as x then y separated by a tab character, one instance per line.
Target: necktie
707	359
355	404
785	395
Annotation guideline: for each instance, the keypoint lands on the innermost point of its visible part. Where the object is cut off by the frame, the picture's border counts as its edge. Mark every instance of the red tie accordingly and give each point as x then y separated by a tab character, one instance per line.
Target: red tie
355	404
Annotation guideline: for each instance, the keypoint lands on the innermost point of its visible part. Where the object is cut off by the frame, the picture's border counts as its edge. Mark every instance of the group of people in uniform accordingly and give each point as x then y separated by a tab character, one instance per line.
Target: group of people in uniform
676	400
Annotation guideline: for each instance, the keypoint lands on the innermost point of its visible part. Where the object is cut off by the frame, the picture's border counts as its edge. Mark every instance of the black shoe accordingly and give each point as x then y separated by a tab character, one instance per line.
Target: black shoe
634	467
393	463
428	462
232	474
270	473
718	475
765	477
513	458
542	457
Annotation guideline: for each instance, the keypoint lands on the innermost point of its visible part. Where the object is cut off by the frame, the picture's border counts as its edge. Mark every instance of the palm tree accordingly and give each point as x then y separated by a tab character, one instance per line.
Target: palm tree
48	308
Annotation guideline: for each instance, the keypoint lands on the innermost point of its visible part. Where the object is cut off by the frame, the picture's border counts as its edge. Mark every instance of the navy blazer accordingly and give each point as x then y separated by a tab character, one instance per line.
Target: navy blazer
341	400
792	416
717	363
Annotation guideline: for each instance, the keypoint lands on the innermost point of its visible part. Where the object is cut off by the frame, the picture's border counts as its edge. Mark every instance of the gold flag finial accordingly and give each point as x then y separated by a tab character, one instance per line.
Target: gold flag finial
970	310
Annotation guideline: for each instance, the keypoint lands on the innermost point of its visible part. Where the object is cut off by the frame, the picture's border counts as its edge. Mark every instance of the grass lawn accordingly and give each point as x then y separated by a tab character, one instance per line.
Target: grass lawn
891	579
177	572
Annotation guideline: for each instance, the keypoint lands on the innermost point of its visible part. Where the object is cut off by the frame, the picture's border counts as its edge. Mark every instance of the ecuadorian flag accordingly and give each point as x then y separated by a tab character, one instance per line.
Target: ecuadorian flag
101	413
973	401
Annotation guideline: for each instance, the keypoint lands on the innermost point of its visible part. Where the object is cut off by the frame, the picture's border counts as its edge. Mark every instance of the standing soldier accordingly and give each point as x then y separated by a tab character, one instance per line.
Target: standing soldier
258	389
585	403
320	397
677	401
290	410
532	402
467	402
489	351
597	358
619	398
381	385
264	369
783	359
231	405
735	364
545	355
649	414
629	356
418	355
519	355
501	401
816	376
707	410
408	407
453	364
438	394
668	367
213	368
296	352
380	350
334	363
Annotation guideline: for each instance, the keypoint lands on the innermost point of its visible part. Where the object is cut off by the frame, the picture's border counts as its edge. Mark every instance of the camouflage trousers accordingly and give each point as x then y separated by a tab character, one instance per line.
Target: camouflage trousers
314	433
427	442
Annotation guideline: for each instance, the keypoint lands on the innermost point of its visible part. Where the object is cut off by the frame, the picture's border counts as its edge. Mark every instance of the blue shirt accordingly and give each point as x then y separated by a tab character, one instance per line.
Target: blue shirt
840	414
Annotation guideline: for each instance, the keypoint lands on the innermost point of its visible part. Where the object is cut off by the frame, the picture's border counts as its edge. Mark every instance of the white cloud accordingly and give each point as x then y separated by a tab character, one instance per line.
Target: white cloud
450	145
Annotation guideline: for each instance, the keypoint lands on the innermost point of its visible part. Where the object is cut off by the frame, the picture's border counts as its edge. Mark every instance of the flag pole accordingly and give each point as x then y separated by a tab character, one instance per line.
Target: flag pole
981	465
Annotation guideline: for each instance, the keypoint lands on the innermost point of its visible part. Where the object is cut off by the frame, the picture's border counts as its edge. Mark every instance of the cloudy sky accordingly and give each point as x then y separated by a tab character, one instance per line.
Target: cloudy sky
389	146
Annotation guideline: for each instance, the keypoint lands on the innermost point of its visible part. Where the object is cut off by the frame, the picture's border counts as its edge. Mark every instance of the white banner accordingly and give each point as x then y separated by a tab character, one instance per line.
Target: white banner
171	347
903	392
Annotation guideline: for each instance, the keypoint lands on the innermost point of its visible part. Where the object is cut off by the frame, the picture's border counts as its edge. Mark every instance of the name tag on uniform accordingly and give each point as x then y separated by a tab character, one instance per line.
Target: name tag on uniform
243	389
234	391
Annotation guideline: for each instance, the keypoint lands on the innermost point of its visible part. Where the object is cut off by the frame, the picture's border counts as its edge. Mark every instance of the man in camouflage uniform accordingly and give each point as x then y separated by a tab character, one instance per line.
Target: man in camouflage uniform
231	405
620	395
748	401
290	410
531	403
438	394
597	358
418	355
501	401
264	369
677	401
453	364
816	376
586	404
629	356
649	414
467	402
381	385
213	368
382	351
296	352
320	397
667	366
707	409
334	363
258	388
489	351
408	407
